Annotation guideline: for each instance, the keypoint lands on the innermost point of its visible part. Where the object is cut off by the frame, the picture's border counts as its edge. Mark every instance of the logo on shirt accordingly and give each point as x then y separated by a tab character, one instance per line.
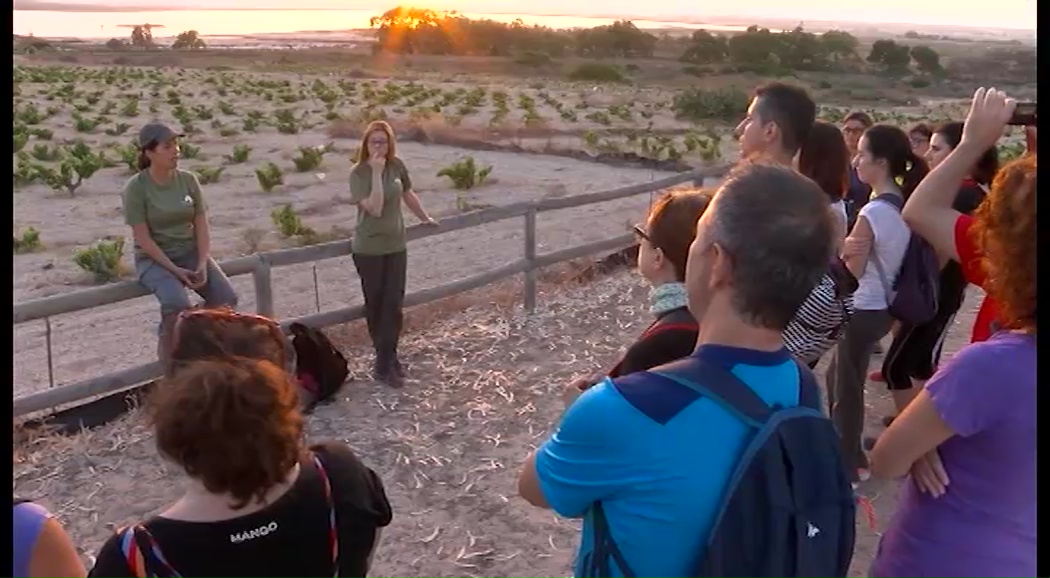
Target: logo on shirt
188	200
253	534
811	530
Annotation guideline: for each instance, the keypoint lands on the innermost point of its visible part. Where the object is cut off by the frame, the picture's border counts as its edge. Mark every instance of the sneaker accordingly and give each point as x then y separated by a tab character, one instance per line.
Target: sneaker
877	376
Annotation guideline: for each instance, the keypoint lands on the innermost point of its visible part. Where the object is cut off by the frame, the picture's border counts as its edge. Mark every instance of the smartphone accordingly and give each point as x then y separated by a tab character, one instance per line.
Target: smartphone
1024	114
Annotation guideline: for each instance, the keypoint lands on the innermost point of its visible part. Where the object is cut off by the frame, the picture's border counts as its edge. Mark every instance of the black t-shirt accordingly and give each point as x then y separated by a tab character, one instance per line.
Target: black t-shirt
671	337
289	538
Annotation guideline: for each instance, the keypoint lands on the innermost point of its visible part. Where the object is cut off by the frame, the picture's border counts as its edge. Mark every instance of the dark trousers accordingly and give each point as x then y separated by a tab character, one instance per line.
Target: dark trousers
846	376
383	285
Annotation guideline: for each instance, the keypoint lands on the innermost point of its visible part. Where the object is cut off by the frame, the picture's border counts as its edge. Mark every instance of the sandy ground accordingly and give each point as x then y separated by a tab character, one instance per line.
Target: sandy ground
483	392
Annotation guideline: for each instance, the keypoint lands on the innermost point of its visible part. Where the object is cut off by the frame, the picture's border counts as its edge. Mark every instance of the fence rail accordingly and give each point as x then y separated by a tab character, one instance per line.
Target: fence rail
261	264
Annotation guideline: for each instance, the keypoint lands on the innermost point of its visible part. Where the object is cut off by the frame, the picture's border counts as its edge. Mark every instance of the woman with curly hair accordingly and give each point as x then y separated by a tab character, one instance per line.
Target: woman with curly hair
968	440
257	501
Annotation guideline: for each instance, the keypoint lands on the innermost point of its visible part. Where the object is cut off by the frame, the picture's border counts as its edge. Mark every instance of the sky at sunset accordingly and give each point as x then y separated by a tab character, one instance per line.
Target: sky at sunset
1019	14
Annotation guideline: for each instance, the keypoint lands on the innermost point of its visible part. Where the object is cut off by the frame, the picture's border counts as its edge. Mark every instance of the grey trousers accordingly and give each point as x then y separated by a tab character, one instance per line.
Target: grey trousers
171	293
846	376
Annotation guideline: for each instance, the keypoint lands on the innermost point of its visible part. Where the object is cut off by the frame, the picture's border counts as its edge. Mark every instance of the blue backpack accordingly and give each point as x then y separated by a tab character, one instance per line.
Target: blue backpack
913	296
788	509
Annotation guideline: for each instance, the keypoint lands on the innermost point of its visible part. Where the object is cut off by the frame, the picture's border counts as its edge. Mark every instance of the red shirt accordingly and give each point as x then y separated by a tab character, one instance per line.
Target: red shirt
970	258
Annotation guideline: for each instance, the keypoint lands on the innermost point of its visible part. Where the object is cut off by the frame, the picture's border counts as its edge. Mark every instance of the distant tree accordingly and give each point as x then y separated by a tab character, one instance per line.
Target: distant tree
189	40
116	44
889	55
142	36
840	46
619	39
800	50
757	50
705	48
926	59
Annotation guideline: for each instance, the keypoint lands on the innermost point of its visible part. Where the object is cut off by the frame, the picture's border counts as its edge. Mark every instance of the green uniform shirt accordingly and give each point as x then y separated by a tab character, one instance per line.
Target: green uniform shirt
168	210
384	234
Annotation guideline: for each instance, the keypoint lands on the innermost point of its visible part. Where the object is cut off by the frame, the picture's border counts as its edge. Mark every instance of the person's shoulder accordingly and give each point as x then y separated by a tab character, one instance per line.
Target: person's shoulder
110	560
1001	352
135	182
336	455
651	394
399	163
359	169
187	176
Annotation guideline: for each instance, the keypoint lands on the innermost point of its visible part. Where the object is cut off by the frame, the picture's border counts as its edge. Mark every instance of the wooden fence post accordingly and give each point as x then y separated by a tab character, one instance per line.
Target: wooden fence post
530	259
263	288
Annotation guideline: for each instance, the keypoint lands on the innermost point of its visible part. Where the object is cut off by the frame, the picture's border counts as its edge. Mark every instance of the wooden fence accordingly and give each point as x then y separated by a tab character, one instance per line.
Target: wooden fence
261	264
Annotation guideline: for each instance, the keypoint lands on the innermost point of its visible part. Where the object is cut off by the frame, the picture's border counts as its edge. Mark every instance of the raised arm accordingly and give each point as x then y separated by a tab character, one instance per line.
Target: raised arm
929	210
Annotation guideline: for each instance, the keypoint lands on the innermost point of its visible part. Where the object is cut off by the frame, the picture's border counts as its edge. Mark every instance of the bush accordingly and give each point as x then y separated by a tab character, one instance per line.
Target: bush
103	259
28	242
240	154
209	175
465	174
698	104
188	151
80	163
269	177
597	72
289	224
309	158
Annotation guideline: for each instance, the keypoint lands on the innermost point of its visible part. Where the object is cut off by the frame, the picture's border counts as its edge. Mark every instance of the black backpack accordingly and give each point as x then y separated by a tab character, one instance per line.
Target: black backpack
320	367
788	510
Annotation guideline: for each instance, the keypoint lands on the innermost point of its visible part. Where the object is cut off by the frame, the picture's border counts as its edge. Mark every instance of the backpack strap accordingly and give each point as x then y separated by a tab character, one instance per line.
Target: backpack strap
143	555
605	548
333	529
721	386
897	202
808	390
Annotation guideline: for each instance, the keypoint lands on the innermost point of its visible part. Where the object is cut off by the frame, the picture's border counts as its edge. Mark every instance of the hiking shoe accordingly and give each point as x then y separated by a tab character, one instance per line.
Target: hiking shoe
392	379
399	368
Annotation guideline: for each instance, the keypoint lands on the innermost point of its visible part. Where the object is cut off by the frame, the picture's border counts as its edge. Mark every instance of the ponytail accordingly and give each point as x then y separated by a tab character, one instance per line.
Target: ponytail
915	170
143	162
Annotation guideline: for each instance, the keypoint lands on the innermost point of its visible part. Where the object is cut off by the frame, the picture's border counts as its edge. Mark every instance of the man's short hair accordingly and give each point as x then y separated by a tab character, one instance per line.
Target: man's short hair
791	108
861	117
776	228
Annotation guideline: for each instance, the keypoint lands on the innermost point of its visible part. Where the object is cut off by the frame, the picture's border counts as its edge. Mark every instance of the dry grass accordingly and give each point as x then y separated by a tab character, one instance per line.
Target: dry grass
483	392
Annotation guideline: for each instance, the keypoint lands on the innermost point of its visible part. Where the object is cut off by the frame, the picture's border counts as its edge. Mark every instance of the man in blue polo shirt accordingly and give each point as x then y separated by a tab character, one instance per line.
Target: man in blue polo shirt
656	454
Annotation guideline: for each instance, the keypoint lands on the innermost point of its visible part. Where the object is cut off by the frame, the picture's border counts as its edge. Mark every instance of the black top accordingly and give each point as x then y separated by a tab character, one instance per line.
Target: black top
953	281
288	538
672	336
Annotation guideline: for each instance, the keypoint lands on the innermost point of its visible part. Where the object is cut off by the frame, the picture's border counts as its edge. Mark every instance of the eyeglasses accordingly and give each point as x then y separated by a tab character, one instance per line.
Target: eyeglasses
639	232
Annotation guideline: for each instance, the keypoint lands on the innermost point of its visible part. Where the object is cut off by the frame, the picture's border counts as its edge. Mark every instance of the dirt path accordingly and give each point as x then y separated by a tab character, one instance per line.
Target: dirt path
120	336
484	392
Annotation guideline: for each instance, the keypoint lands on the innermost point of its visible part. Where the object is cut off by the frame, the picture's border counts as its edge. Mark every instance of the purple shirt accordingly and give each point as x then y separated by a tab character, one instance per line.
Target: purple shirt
985	524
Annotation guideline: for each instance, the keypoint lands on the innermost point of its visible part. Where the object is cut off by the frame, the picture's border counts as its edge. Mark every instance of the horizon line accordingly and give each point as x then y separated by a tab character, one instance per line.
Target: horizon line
667	18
